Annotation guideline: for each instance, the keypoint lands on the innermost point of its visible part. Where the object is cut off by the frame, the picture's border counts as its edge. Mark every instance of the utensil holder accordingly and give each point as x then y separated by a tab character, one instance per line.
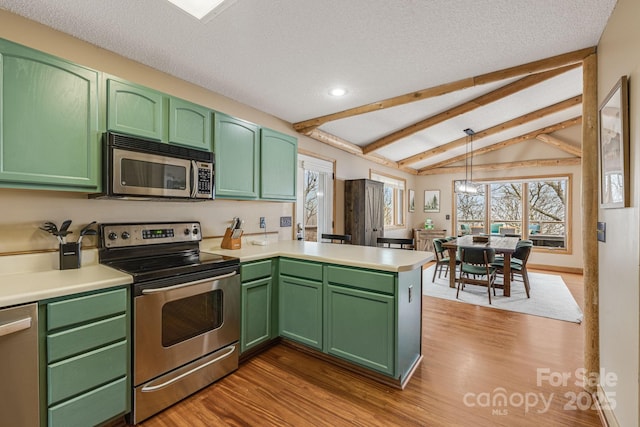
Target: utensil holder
69	256
230	242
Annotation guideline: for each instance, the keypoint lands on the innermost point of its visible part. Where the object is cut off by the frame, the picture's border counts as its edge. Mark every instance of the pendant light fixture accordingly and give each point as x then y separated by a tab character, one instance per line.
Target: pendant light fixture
468	186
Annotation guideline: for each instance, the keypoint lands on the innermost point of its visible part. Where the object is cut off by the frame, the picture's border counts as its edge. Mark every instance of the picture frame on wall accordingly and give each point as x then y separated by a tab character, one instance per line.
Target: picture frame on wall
613	141
412	201
432	200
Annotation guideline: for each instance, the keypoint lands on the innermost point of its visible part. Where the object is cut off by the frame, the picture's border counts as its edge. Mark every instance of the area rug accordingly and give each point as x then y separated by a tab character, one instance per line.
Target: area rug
550	296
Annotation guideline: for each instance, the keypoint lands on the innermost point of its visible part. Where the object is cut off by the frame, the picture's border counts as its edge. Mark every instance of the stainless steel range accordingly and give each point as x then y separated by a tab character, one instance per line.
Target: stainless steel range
186	310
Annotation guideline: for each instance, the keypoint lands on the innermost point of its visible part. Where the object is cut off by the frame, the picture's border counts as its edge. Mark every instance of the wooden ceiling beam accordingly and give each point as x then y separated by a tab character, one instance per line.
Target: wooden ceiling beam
344	145
539	66
482	100
497	146
535	115
335	141
560	144
570	161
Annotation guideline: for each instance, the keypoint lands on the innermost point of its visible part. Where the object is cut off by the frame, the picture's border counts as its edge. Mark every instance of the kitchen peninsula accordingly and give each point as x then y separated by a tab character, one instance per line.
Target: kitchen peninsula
358	304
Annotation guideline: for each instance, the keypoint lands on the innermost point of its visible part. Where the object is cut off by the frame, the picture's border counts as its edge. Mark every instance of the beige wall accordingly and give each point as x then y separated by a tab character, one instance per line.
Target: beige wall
619	284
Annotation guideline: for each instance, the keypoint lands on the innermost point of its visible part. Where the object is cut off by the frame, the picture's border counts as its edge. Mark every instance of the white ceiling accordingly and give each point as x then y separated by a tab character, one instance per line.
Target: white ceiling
283	56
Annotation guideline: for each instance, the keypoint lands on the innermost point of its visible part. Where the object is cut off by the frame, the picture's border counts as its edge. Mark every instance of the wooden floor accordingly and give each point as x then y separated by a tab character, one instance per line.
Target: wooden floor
473	356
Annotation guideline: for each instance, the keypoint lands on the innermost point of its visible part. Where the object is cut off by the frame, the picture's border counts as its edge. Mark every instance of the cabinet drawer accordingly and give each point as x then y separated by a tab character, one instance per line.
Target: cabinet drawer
374	281
78	374
303	269
255	270
86	337
92	408
86	308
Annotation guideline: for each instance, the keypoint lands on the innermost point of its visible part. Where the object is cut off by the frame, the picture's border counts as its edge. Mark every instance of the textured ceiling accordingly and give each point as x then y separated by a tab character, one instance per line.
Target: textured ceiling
283	56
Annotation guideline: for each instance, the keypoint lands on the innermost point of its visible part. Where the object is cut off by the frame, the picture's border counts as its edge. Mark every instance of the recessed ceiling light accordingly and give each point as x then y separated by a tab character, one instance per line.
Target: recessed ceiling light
202	9
338	91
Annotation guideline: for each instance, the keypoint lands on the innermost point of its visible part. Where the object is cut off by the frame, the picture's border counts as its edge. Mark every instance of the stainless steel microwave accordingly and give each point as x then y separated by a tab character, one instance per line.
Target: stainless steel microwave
136	168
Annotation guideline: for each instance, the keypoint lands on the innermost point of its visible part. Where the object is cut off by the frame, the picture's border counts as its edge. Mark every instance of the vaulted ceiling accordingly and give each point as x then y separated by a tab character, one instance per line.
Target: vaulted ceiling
417	72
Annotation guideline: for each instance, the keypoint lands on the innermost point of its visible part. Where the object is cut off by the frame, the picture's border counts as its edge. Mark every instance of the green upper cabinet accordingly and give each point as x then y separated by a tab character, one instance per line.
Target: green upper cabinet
135	110
253	163
237	150
49	136
189	124
278	162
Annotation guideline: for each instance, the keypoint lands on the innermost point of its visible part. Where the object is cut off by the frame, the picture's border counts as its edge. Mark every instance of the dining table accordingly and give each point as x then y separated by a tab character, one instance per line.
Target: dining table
501	244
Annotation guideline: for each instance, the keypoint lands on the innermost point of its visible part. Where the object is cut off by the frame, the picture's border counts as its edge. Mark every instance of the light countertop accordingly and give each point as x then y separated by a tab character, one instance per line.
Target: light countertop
384	259
35	277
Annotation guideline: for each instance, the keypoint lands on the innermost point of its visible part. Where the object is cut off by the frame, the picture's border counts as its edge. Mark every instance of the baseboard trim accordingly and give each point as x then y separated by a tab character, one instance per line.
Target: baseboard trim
558	268
607	417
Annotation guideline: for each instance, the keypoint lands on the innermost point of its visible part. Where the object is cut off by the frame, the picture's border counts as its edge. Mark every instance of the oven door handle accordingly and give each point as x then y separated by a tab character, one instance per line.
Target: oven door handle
149	388
185	285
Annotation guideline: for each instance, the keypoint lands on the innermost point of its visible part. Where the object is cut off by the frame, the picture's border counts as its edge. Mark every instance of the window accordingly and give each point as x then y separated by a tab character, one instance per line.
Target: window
314	207
535	209
470	209
394	191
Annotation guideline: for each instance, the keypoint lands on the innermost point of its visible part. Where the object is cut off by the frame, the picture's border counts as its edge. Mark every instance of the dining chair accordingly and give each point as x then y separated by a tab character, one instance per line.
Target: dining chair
476	269
396	242
477	229
503	231
518	263
336	238
442	259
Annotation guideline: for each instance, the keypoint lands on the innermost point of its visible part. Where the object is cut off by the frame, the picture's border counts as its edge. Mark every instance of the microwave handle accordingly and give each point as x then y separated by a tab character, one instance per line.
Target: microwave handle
194	179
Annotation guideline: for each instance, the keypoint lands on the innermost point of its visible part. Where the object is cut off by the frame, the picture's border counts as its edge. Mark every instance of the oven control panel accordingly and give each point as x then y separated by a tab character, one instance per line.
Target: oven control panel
126	235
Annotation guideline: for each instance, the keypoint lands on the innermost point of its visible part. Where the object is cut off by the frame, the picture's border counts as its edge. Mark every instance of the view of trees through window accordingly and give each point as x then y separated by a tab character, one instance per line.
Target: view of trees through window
394	196
533	209
311	204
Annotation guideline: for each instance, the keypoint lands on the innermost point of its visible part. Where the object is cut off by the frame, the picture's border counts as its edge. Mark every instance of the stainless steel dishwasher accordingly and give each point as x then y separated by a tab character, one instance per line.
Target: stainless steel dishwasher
19	403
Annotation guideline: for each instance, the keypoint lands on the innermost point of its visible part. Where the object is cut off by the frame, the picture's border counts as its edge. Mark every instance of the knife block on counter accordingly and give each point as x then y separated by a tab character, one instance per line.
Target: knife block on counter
230	242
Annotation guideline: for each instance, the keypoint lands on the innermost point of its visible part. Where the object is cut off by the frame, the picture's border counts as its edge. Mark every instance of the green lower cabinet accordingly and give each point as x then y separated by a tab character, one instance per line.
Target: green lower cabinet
256	313
300	308
85	358
360	327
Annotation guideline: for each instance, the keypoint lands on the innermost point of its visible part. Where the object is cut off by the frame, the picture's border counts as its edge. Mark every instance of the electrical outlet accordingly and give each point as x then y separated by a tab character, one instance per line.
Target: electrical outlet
263	223
285	221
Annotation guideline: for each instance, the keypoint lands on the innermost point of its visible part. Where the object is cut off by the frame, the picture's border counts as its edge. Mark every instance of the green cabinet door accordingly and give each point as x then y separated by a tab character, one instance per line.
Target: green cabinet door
256	313
49	135
189	124
278	165
237	153
300	308
135	110
360	327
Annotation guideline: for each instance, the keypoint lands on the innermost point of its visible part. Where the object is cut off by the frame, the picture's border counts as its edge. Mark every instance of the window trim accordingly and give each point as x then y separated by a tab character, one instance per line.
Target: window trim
402	199
568	250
